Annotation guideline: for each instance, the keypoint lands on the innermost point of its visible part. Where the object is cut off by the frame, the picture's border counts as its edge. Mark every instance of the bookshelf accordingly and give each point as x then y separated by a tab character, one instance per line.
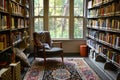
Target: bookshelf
14	28
103	33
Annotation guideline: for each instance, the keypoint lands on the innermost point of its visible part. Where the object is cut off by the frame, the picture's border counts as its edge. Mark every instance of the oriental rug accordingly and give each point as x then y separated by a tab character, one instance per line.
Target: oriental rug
72	69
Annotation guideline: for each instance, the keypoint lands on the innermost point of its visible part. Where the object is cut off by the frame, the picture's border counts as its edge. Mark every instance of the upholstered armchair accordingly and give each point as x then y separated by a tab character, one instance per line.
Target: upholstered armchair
43	46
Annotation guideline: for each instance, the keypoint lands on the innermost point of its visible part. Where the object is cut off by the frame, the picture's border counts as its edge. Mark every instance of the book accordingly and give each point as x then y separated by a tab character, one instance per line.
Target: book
117	44
1	4
5	22
13	24
115	56
1	46
0	21
89	4
5	5
110	54
3	41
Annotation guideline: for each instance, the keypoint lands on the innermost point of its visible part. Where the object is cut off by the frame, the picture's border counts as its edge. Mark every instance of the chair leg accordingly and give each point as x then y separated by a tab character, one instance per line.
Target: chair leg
44	61
62	57
34	53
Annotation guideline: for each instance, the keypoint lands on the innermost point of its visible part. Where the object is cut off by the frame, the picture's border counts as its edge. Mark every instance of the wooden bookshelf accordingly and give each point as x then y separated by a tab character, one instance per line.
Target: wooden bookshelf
14	26
103	32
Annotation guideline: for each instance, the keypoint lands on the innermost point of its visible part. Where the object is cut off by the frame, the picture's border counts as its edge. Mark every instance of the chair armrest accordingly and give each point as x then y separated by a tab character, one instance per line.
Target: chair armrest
60	43
37	46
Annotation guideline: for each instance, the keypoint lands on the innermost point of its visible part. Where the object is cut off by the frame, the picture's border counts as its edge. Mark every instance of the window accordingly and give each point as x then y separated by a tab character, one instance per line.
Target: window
59	17
38	13
78	18
38	23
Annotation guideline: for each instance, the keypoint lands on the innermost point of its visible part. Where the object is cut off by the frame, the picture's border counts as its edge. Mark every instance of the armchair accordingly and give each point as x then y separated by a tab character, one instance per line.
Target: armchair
43	46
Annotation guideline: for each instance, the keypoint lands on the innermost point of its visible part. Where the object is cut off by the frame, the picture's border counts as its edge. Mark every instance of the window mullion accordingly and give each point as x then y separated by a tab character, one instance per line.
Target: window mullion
46	8
71	19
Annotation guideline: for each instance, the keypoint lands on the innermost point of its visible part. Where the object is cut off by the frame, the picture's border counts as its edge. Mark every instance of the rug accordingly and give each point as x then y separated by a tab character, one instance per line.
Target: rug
72	69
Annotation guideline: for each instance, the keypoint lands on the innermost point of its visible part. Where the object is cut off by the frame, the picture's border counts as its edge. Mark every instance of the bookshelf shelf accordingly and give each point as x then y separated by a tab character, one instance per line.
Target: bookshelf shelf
104	43
6	30
103	30
5	12
17	15
5	49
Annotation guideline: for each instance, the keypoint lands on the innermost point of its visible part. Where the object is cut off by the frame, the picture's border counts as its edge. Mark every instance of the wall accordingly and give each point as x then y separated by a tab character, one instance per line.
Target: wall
72	46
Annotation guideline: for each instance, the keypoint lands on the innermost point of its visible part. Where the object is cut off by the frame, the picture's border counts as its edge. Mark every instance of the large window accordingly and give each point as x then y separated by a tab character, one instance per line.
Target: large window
63	18
58	18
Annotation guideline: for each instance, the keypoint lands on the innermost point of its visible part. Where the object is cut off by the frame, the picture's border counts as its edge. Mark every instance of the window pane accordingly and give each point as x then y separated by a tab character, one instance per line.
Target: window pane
38	7
78	28
59	27
38	24
58	7
78	7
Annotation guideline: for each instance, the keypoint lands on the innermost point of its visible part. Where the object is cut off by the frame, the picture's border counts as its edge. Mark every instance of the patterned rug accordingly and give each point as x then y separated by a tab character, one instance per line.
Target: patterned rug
72	69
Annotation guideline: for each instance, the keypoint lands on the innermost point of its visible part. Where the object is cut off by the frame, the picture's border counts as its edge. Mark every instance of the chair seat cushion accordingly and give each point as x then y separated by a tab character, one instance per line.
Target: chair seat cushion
46	46
53	50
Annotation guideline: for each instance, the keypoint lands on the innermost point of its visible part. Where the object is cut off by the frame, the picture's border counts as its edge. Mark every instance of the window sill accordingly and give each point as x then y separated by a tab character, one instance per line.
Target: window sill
69	39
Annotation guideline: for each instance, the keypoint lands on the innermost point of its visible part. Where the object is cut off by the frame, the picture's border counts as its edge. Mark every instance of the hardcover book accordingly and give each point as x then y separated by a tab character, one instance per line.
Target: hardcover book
1	4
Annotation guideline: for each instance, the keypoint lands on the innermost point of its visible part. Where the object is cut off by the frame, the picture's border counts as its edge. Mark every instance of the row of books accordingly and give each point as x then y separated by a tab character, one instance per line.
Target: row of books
111	9
4	5
93	3
108	23
16	37
96	2
92	13
17	9
103	11
4	41
105	51
17	23
22	2
109	38
112	55
107	10
4	22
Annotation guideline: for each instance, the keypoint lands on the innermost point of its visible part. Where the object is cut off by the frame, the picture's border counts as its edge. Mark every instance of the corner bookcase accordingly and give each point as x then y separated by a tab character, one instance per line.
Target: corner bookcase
103	35
14	28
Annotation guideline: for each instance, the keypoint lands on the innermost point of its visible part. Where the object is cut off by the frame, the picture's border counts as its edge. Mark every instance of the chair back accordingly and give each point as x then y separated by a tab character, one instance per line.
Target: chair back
43	36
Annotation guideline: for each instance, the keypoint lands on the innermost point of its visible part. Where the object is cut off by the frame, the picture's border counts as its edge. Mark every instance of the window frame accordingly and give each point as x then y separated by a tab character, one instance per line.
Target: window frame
71	19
